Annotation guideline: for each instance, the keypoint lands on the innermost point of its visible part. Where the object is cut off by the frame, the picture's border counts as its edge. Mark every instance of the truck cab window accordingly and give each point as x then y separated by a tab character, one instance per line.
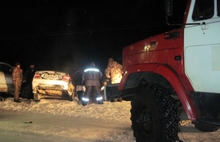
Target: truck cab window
204	9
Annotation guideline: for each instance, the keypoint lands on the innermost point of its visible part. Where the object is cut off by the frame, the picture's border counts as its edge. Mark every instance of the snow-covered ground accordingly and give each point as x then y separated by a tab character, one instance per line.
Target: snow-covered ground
112	119
118	112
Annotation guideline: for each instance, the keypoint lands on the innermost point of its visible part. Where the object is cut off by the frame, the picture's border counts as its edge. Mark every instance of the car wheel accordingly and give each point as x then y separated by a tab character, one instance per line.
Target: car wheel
36	97
119	99
154	115
71	97
24	92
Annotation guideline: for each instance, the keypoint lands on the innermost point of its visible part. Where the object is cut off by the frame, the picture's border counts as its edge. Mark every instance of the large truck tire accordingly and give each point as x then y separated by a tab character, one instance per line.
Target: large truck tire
154	115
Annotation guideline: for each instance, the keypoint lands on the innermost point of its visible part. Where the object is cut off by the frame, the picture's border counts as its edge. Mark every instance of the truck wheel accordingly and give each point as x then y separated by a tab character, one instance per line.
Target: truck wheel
154	115
36	97
205	128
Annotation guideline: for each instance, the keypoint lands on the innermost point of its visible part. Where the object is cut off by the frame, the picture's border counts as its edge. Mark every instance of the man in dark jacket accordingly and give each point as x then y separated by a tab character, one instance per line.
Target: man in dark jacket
91	78
29	74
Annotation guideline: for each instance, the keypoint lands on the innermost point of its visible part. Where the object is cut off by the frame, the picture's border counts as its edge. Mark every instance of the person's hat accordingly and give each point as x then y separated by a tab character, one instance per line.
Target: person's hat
17	63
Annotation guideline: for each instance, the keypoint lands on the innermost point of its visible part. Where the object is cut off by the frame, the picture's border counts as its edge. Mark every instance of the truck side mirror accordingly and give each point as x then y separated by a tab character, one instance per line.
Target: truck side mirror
168	6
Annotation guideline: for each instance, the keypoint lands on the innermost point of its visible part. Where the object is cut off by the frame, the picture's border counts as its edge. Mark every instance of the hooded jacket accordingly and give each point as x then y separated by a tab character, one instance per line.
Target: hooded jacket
92	76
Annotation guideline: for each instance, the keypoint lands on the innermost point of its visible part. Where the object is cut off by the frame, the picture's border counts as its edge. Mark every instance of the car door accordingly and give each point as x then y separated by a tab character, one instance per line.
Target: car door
6	84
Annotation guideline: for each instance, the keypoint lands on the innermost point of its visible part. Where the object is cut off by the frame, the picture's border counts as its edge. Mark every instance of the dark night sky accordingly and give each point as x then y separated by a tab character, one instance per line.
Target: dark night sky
69	34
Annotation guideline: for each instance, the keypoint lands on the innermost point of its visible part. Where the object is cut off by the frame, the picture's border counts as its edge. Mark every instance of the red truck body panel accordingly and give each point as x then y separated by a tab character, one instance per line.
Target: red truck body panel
161	54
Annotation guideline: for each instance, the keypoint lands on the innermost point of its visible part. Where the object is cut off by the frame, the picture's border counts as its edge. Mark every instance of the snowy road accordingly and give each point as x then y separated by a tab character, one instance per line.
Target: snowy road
52	120
26	127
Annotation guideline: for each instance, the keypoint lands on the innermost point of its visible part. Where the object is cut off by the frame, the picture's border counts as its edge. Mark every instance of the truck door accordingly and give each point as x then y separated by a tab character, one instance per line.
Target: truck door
202	45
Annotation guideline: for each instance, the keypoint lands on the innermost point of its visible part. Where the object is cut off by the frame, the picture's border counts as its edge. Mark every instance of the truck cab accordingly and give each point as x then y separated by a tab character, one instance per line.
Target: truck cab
174	72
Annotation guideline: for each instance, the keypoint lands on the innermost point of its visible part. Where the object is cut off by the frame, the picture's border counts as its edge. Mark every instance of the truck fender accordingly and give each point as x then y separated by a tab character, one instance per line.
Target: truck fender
186	99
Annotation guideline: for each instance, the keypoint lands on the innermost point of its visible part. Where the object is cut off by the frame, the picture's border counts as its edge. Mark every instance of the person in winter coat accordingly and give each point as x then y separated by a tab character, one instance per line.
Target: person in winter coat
29	74
114	71
17	76
91	79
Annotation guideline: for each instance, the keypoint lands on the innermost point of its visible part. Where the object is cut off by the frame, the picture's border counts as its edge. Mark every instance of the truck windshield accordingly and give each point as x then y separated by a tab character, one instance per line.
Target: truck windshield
204	9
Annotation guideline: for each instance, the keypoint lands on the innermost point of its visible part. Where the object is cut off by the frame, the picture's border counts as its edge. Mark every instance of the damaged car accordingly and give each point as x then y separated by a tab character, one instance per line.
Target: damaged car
52	84
6	84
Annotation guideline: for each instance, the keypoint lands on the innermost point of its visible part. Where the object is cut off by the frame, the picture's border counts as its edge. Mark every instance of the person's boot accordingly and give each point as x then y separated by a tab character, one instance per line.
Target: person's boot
17	101
99	99
85	100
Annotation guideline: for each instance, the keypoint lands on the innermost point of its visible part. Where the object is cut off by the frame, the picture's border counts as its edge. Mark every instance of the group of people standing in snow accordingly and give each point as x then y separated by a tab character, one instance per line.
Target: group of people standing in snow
91	79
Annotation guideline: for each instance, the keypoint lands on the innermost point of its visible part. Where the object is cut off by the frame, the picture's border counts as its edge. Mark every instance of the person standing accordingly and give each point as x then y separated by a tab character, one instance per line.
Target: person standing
29	74
91	78
77	81
114	71
17	76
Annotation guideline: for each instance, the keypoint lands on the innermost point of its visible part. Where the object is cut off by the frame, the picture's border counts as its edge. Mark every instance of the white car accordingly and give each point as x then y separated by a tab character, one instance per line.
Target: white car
52	84
6	84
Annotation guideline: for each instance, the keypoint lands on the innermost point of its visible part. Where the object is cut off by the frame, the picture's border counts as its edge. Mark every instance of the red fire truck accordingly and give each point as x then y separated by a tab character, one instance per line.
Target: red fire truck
175	73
